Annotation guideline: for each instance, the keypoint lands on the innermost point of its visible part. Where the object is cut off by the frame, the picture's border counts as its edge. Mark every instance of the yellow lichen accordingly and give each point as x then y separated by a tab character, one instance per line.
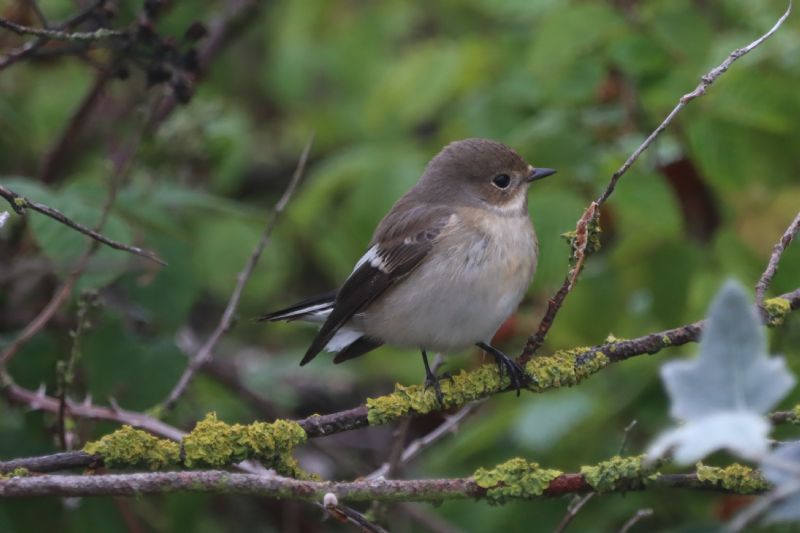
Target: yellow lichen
777	309
514	479
128	447
735	478
564	368
464	387
794	418
215	443
20	471
617	473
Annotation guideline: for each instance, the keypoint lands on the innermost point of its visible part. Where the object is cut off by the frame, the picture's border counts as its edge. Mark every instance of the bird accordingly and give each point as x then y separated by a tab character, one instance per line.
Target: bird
446	266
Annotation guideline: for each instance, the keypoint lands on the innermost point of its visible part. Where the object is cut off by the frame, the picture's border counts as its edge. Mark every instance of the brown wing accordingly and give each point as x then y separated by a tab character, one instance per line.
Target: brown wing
385	263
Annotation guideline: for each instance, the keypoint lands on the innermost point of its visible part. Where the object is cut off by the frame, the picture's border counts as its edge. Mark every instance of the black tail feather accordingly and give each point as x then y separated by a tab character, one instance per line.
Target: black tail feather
358	348
295	311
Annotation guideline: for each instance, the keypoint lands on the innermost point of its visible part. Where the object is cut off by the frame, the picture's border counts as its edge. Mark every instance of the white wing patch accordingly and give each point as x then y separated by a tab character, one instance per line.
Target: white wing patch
343	338
372	257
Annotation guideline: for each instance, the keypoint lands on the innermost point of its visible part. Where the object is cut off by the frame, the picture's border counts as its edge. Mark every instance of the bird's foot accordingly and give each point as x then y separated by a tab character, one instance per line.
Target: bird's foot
505	364
432	380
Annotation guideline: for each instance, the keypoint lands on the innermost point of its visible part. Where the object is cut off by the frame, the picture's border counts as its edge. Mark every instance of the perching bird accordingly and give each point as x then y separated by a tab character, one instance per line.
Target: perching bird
446	266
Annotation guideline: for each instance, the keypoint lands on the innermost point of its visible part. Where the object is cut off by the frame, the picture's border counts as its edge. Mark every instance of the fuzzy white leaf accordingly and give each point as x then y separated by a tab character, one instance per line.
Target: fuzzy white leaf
722	393
782	469
740	432
732	370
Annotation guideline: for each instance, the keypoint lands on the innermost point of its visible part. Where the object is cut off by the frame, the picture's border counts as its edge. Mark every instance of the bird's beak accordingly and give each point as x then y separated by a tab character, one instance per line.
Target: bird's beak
539	173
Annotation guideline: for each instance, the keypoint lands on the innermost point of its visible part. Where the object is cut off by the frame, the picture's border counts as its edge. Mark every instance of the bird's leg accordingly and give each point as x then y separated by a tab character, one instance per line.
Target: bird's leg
505	364
432	380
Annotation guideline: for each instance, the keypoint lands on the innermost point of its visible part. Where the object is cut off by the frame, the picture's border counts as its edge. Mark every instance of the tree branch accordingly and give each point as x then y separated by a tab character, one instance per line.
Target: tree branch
206	352
99	34
775	258
317	426
20	204
218	481
536	340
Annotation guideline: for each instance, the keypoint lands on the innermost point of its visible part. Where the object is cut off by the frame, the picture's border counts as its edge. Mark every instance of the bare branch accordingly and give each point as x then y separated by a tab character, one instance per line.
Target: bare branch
39	400
775	258
572	511
217	481
554	304
20	204
640	515
450	425
61	35
206	352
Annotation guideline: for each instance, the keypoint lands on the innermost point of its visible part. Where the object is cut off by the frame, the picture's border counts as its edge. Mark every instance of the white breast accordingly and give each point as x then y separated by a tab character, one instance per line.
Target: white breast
471	282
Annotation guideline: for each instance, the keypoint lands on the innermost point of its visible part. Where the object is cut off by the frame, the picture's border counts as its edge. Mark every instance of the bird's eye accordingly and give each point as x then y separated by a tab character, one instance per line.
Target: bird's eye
501	181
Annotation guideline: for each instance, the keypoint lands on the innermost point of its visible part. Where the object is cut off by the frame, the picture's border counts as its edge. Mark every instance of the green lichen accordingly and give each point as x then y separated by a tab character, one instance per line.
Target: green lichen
777	309
128	448
735	478
794	417
592	243
464	387
665	340
20	471
20	203
564	368
214	443
618	473
513	480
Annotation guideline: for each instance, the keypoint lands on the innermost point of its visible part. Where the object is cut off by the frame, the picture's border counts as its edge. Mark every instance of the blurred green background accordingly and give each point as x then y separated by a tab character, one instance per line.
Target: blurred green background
574	85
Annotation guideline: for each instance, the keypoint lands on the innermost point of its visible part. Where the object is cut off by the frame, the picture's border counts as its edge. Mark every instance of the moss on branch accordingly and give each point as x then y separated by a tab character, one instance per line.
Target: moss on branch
513	480
562	369
619	473
734	478
212	443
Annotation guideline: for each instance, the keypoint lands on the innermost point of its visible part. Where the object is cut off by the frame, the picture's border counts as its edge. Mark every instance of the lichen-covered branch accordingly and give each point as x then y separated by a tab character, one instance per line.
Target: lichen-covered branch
562	369
592	213
775	258
513	480
20	204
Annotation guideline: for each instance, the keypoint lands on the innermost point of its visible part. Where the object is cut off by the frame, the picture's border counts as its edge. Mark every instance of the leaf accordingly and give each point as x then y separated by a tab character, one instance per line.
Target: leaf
788	508
740	432
732	370
723	392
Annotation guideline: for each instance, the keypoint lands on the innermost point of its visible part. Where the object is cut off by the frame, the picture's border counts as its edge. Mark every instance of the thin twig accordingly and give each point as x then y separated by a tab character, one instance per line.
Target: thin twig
417	446
61	35
625	434
122	163
206	352
30	47
572	512
20	204
775	258
536	340
39	400
640	515
223	481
